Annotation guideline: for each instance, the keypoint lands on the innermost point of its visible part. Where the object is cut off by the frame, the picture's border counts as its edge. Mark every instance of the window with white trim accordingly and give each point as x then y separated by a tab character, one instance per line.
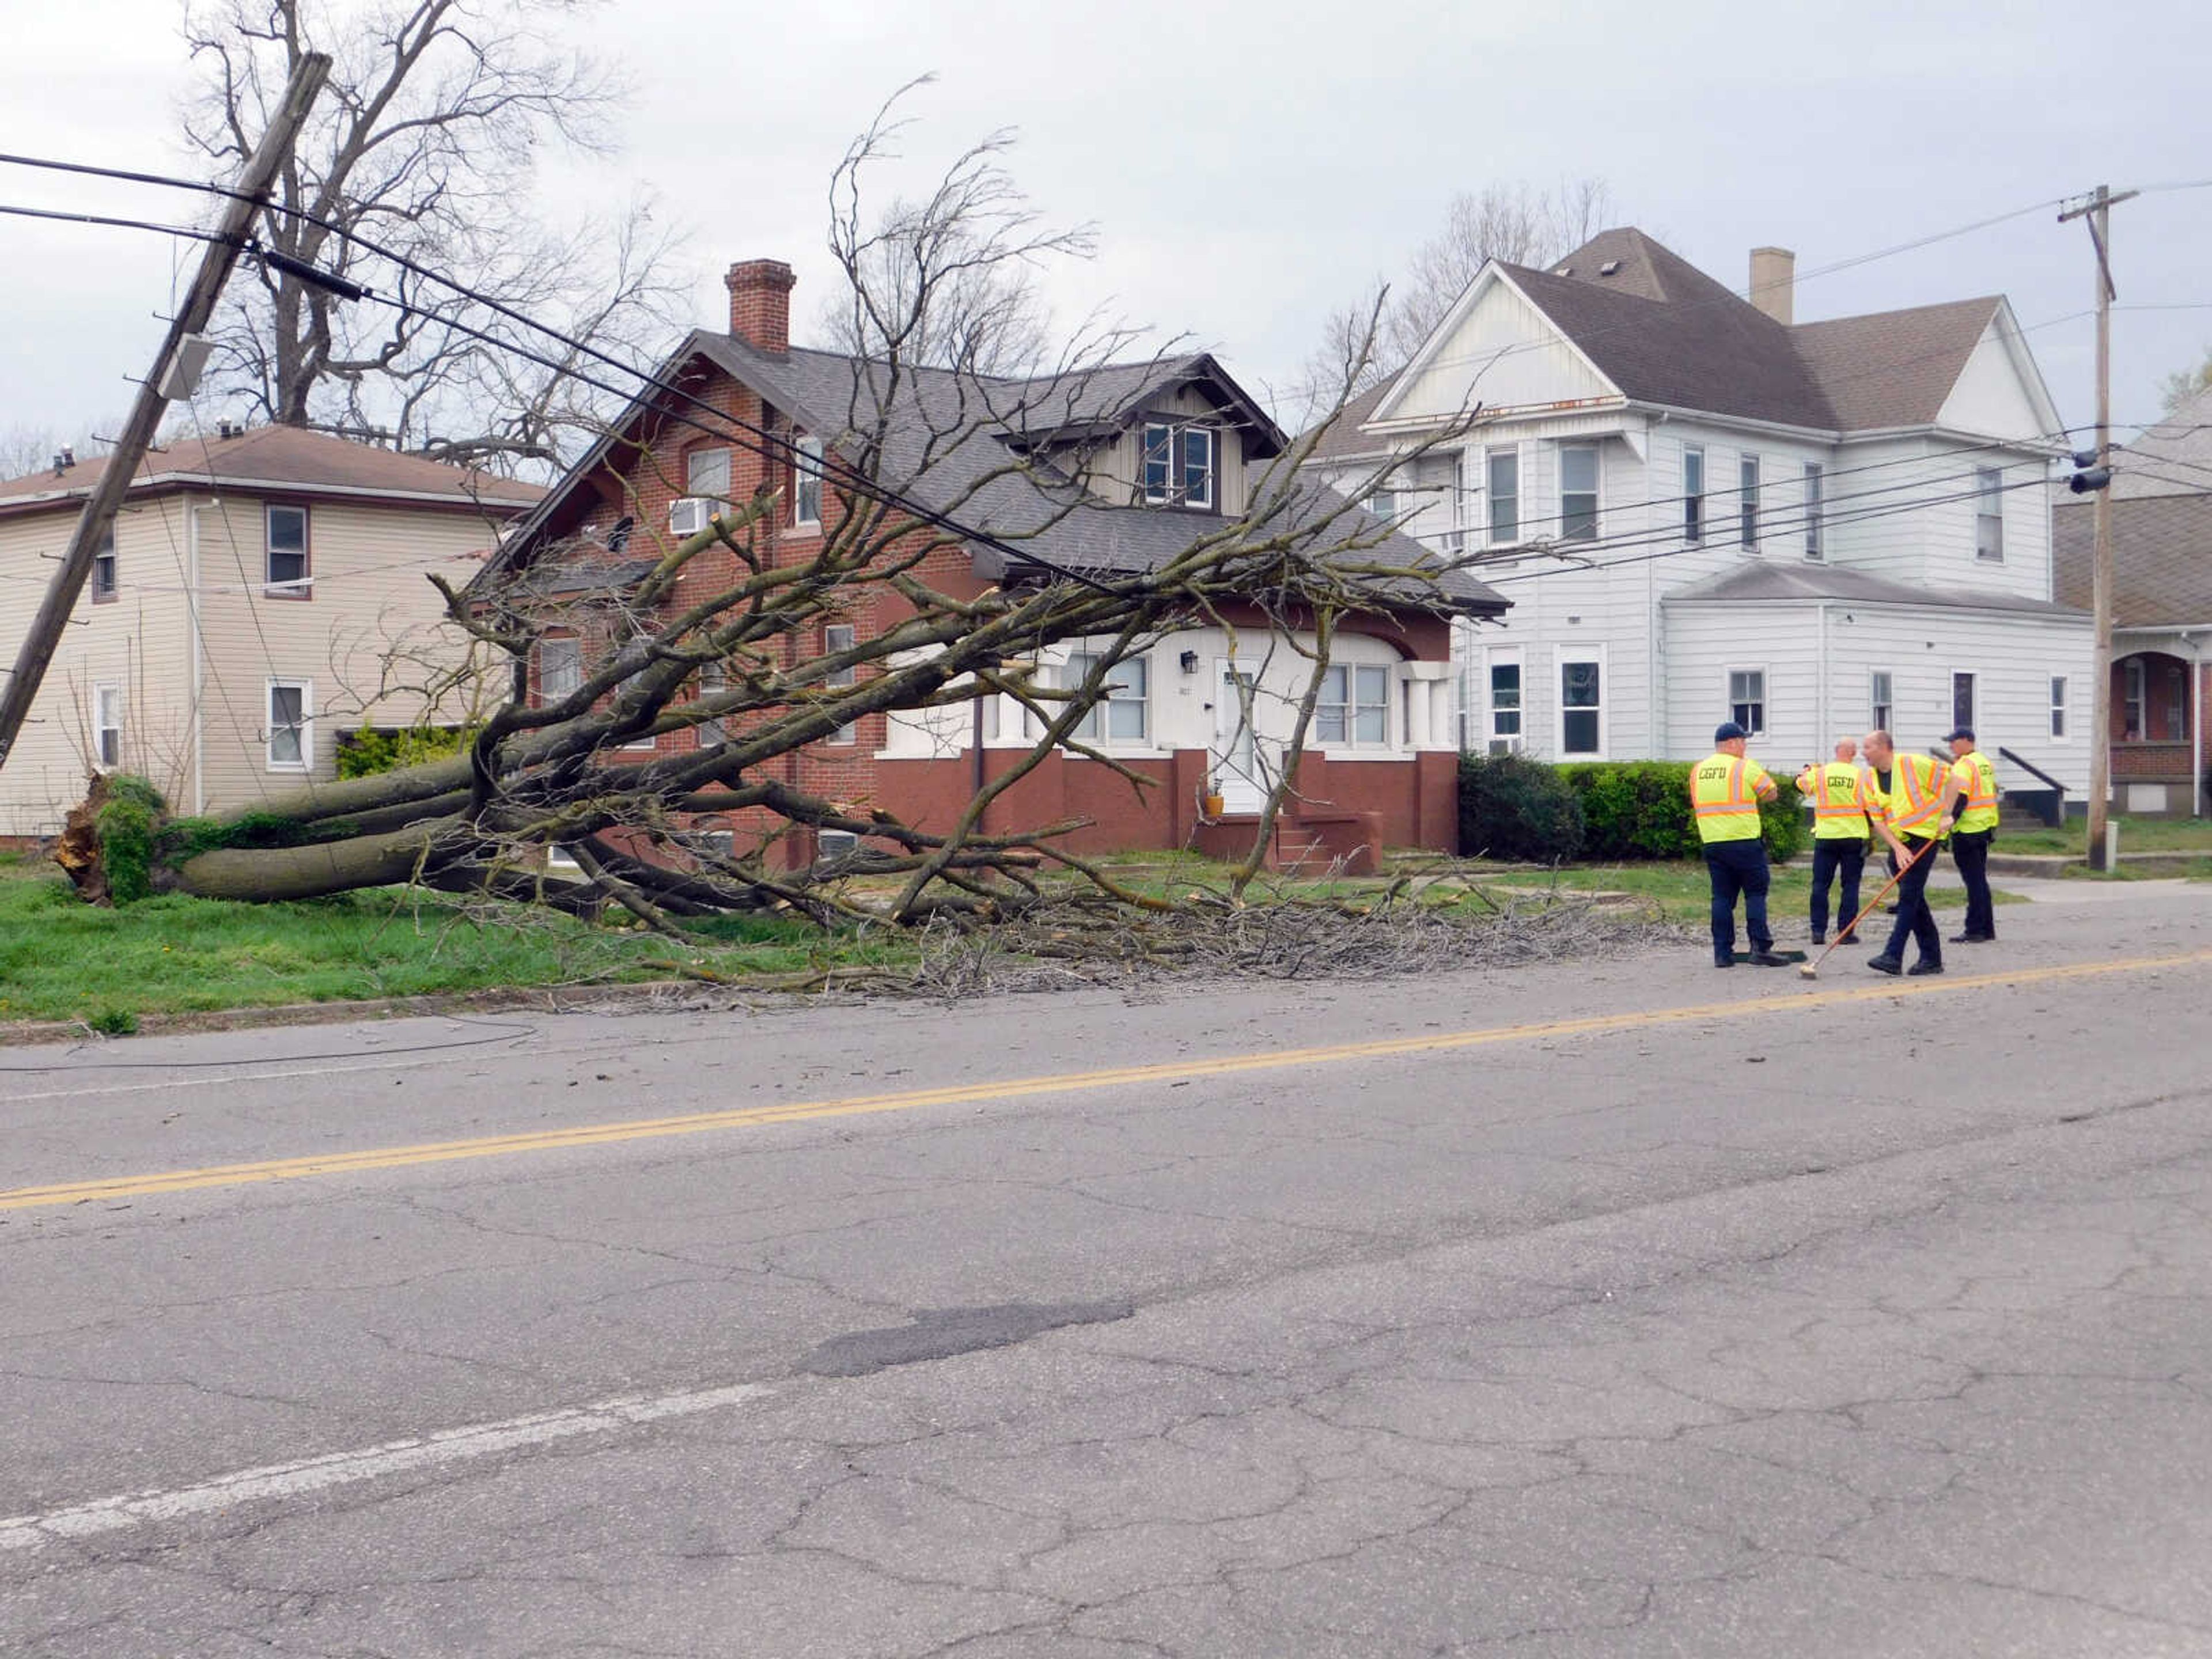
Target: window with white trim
1746	511
285	568
1504	703
1694	492
1353	707
1962	699
103	568
836	637
1578	492
1123	711
707	478
560	668
1989	513
1179	464
1816	482
806	483
107	727
291	726
1383	504
1582	707
1503	471
2058	705
1882	700
1746	691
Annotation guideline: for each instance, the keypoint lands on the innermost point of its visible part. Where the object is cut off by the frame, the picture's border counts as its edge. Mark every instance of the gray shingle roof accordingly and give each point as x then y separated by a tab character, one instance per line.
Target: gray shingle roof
2172	457
2161	558
1760	579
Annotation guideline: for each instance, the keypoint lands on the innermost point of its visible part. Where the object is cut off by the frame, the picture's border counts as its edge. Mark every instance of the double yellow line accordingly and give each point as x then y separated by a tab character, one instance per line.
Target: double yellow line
982	1092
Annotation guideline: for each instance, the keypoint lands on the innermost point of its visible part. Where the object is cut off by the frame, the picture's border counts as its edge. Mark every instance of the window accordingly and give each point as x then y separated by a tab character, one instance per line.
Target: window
286	571
560	669
836	637
806	483
2058	705
291	725
1815	498
1121	712
1747	501
1456	481
107	727
1581	709
1354	705
1383	504
1884	704
707	478
1504	466
1988	512
1694	492
103	568
714	680
1578	492
2133	701
1504	703
2177	699
1178	464
1962	699
1747	698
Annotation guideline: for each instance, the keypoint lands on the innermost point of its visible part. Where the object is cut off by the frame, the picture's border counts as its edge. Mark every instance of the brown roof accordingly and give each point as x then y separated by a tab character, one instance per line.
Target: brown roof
1345	438
2161	558
1893	367
2172	457
281	457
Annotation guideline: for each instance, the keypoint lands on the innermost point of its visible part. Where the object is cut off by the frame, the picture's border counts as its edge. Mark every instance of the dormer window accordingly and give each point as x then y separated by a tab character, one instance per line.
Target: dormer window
1178	465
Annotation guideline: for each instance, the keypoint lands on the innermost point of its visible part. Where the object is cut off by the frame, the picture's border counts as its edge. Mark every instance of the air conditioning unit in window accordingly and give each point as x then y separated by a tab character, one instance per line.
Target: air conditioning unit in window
688	515
1505	745
837	844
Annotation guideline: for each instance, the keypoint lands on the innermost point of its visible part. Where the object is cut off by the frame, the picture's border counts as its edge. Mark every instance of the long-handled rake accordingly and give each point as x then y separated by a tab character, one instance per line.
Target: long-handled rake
1812	969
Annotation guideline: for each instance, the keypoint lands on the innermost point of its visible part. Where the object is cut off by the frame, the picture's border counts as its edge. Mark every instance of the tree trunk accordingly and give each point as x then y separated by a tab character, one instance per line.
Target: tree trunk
257	875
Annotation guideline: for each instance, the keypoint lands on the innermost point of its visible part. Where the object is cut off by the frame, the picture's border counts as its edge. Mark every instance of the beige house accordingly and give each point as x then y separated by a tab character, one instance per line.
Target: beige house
262	592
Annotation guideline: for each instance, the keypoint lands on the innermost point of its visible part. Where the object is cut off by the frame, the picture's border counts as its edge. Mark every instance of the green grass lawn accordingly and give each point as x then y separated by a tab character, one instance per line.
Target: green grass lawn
1683	894
62	959
2137	835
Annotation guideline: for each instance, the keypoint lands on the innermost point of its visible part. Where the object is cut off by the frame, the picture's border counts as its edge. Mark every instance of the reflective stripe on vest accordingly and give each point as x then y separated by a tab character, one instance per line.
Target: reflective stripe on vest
1979	811
1722	799
1915	794
1838	801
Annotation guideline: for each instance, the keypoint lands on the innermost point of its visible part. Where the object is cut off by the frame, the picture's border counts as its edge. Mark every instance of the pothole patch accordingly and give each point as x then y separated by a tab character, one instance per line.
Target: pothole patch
941	1333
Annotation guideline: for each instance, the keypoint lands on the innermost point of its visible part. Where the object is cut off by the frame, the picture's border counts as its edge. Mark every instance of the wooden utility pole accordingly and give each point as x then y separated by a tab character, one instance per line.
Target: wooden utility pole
274	150
2097	209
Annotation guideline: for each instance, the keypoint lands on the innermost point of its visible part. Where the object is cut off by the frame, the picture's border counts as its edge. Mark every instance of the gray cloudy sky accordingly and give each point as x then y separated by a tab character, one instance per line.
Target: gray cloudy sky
1249	166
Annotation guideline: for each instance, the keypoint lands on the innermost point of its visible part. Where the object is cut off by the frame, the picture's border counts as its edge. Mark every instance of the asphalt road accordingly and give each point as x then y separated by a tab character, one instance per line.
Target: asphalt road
1608	1309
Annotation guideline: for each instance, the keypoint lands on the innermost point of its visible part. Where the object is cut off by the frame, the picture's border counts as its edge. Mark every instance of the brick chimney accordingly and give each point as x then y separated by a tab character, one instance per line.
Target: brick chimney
1773	278
760	303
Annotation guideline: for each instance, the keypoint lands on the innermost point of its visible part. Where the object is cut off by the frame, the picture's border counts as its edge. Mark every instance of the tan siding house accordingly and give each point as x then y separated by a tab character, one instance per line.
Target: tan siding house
266	591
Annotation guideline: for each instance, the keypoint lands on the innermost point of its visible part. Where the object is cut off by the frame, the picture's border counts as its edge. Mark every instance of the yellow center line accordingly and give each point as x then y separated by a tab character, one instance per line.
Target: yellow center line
986	1091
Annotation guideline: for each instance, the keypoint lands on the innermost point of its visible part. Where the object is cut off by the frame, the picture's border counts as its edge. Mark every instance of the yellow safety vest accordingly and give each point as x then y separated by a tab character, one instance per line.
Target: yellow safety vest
1976	774
1840	796
1723	794
1917	785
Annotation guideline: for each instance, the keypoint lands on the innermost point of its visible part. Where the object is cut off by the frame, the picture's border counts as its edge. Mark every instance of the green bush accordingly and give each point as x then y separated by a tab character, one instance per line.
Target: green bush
1511	807
365	753
126	825
1634	810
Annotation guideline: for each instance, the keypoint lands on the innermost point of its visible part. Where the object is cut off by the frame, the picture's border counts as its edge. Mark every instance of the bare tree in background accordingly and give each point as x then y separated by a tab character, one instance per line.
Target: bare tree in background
1518	224
426	142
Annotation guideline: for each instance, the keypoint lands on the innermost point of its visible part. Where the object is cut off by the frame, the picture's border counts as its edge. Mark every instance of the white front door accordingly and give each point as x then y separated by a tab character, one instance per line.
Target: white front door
1235	761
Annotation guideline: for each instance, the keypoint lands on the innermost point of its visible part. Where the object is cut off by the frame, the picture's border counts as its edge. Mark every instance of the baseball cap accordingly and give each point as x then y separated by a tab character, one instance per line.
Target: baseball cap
1959	732
1728	732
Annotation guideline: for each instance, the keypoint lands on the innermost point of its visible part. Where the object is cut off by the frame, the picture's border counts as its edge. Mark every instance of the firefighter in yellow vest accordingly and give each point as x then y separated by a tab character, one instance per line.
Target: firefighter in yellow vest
1911	818
1971	815
1725	791
1842	803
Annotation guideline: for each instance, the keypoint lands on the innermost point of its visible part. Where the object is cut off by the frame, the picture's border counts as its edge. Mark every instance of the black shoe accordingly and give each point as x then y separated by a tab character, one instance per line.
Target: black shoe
1847	939
1924	967
1973	939
1820	939
1723	962
1885	964
1765	958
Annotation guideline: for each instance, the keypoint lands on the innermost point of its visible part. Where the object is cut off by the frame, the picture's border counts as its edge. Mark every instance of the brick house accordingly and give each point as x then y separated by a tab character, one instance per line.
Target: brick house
1160	453
2162	608
239	613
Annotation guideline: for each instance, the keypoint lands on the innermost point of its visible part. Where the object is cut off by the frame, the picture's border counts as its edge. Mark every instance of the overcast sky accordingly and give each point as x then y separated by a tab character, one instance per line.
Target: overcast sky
1250	166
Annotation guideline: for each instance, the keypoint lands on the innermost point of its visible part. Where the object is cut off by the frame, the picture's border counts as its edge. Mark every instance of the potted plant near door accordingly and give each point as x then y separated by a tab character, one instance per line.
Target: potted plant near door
1210	803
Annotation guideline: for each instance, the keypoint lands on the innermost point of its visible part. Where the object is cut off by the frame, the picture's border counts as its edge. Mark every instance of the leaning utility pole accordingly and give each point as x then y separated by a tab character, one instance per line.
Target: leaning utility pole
175	369
2097	208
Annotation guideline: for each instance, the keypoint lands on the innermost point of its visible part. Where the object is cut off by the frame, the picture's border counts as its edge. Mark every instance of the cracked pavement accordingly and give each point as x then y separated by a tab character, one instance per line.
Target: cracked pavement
1712	1338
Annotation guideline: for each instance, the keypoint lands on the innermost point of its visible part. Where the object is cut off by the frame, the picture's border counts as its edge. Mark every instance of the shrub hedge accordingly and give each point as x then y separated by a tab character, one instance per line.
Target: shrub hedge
1610	812
365	753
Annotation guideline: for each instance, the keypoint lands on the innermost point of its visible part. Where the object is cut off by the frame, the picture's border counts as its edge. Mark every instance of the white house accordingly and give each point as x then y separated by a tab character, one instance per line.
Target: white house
1701	510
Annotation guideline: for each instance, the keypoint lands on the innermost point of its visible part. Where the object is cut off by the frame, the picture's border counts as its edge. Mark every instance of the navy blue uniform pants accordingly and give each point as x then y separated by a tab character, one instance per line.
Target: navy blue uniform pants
1738	867
1830	859
1915	920
1970	849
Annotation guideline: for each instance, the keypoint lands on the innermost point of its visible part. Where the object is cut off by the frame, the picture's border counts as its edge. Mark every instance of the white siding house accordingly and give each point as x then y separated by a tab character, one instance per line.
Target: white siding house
1701	510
